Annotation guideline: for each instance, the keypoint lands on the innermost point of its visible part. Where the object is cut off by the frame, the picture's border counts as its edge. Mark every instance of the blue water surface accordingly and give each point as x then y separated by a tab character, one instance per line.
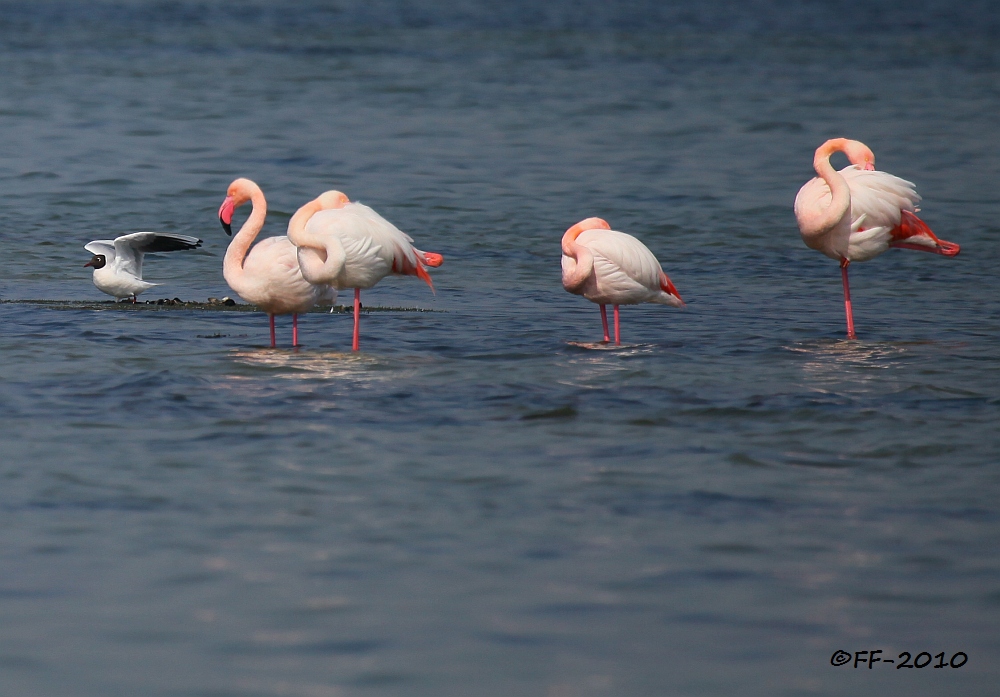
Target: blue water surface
475	504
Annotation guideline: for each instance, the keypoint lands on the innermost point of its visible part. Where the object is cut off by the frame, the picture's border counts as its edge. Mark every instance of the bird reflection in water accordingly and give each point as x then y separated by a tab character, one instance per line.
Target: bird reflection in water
312	365
849	361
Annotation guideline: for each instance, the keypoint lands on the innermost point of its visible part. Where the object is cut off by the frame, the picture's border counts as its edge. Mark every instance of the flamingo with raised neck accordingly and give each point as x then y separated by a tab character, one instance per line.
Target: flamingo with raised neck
858	213
348	245
613	268
266	274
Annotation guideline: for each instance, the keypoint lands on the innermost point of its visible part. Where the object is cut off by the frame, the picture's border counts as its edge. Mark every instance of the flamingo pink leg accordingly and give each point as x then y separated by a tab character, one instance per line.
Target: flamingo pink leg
604	321
295	329
271	317
618	334
357	318
844	263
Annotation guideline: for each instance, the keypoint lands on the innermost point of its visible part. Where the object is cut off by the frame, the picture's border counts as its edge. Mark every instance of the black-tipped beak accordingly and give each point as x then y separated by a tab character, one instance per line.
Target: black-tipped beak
227	227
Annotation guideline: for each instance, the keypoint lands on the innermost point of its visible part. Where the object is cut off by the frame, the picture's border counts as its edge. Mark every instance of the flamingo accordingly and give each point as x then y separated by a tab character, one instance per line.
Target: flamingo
117	263
613	268
267	275
858	213
348	245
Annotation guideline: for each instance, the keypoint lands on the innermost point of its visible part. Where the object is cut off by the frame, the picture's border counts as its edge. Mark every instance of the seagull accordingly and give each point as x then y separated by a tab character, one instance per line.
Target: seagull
118	263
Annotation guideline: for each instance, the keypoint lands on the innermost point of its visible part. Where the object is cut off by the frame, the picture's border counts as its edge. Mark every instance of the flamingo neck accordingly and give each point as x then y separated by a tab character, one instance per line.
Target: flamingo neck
840	202
578	262
232	266
319	260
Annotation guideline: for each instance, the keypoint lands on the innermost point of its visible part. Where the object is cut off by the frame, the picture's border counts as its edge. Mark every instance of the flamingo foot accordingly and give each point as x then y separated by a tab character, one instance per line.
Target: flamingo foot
271	318
618	333
604	321
844	263
357	319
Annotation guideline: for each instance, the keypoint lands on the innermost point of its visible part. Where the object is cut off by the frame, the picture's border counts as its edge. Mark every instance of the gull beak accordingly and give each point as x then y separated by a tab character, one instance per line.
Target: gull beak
89	263
226	214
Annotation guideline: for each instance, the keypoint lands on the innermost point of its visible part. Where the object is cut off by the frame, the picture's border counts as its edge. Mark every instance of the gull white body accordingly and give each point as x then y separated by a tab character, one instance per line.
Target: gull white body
121	273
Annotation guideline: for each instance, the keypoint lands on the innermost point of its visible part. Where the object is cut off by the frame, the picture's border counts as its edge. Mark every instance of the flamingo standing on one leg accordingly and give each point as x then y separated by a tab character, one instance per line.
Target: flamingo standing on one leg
267	275
612	268
858	213
348	245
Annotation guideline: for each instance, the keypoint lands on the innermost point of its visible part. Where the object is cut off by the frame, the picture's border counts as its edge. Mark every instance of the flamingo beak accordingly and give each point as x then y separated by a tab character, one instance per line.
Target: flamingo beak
672	289
226	214
869	166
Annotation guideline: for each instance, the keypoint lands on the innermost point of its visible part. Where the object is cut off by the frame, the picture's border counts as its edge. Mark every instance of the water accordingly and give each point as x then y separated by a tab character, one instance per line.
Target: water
473	505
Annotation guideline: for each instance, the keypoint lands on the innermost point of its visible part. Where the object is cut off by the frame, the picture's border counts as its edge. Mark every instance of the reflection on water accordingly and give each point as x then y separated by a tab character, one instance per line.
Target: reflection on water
295	364
847	362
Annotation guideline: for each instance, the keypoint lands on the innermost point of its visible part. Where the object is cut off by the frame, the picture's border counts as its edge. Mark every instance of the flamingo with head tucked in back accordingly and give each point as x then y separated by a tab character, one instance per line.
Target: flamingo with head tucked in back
267	274
858	213
348	245
613	268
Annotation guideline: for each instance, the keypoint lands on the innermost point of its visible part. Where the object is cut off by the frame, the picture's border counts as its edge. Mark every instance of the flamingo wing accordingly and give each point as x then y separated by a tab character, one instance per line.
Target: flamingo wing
625	270
373	246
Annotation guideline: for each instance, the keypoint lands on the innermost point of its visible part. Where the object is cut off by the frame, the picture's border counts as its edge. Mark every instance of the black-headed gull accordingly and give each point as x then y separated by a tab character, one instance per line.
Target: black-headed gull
118	263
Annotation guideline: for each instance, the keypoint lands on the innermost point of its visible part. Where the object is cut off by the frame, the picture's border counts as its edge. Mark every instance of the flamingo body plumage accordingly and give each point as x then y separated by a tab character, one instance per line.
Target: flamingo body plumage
266	274
609	267
344	245
859	212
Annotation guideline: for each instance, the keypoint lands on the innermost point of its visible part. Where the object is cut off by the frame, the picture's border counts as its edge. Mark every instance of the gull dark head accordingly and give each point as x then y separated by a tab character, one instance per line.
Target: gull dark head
97	262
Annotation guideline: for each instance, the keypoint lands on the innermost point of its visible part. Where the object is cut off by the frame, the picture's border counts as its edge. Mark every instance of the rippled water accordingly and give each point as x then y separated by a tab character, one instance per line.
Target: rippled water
474	505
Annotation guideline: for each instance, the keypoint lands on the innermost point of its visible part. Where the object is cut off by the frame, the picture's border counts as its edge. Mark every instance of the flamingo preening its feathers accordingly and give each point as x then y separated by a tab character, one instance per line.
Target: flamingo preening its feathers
613	268
343	245
858	213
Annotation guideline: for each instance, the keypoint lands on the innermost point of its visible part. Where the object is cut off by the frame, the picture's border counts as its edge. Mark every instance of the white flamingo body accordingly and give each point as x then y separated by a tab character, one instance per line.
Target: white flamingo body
624	271
272	280
348	245
266	274
877	202
609	267
361	247
858	213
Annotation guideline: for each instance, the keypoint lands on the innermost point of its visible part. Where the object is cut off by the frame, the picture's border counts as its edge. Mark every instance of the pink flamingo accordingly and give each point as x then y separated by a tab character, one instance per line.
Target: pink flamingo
348	245
858	213
612	268
267	275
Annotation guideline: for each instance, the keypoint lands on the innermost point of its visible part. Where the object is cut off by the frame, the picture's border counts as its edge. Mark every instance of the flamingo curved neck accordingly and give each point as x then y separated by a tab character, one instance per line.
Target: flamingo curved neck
826	221
578	262
320	259
236	254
